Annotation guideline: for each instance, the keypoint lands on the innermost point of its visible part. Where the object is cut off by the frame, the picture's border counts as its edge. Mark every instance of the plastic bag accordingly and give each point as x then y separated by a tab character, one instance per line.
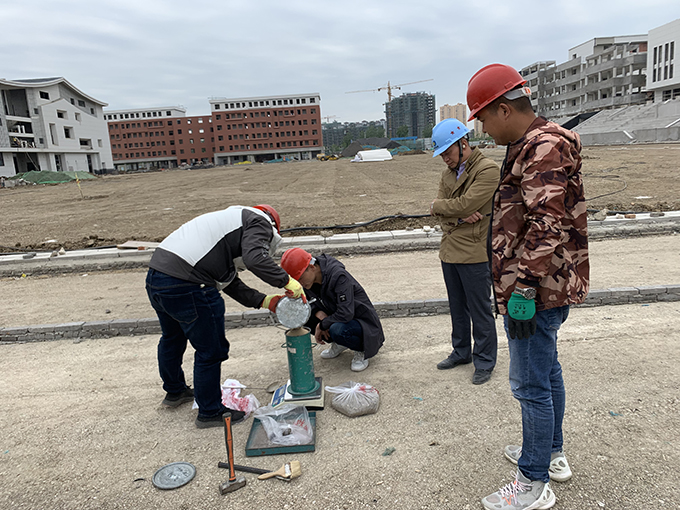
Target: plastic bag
231	389
286	425
355	399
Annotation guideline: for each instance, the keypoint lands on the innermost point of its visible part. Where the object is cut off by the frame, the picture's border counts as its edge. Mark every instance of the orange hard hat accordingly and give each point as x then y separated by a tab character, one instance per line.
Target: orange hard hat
490	83
272	214
295	261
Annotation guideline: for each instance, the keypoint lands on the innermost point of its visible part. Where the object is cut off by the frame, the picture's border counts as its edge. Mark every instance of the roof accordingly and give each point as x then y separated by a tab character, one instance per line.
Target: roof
42	82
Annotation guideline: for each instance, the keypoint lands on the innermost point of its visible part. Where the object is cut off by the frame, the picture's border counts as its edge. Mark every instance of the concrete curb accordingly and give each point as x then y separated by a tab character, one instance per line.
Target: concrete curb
107	259
258	318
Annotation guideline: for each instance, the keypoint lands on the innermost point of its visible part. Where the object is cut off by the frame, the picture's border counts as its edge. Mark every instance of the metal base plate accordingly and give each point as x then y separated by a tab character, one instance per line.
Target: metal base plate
174	475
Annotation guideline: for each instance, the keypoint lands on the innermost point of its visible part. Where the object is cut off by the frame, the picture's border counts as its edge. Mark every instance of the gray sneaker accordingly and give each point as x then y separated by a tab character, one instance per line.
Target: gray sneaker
559	469
333	351
522	494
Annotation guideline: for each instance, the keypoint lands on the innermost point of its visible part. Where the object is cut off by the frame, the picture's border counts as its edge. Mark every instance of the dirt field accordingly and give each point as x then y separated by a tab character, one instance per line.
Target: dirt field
83	428
150	206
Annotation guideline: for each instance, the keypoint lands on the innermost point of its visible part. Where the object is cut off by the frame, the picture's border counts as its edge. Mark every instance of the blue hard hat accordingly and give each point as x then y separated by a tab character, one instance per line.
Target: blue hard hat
446	133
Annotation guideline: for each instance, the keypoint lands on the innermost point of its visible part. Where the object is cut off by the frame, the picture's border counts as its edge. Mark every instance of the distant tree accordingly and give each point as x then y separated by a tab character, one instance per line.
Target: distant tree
346	140
427	132
374	132
402	131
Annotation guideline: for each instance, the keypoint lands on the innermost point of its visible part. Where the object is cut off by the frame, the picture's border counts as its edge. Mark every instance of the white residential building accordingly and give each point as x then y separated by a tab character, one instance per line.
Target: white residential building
48	124
605	72
663	79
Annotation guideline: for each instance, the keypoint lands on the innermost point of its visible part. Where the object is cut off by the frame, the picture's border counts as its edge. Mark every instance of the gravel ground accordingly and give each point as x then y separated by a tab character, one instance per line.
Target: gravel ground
83	427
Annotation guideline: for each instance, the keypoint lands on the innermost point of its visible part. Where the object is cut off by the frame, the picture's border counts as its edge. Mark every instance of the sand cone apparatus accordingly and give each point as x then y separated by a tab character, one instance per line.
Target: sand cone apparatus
300	362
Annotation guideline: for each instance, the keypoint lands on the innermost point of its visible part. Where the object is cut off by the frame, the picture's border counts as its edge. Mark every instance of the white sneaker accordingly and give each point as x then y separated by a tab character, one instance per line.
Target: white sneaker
333	351
522	494
359	363
559	469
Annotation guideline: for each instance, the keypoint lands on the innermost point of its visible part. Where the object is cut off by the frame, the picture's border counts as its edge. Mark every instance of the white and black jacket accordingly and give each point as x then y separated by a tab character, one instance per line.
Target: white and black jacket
210	248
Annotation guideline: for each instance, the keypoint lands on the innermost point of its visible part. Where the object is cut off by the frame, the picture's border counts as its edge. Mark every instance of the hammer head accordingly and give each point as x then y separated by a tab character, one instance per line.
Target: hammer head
228	486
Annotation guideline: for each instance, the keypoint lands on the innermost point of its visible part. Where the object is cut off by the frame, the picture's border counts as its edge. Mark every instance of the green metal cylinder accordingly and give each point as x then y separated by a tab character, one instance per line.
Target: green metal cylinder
300	362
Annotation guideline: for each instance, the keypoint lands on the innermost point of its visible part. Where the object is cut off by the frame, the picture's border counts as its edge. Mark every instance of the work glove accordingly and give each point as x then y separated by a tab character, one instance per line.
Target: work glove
271	301
521	317
293	289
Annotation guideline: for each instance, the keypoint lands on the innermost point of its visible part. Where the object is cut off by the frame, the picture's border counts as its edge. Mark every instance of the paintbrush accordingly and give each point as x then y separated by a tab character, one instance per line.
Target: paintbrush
289	470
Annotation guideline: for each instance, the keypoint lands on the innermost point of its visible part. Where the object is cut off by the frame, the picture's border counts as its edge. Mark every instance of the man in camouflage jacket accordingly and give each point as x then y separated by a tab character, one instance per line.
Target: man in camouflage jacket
539	259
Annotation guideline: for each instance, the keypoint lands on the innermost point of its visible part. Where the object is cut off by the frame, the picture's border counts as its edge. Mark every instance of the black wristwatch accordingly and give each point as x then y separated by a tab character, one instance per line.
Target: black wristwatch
526	293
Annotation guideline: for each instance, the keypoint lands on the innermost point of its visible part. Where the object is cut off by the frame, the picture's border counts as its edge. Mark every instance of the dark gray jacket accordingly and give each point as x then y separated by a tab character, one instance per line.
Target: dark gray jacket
207	249
341	297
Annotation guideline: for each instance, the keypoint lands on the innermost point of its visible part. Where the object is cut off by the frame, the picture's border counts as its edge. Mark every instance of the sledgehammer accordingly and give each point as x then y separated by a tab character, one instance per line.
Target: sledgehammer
233	483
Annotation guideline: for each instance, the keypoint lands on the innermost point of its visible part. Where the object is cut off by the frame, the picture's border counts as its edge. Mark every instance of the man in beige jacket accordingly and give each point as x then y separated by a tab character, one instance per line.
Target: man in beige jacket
463	206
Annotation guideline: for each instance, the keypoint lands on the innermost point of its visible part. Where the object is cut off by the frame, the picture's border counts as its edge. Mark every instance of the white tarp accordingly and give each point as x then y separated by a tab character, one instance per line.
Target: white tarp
374	155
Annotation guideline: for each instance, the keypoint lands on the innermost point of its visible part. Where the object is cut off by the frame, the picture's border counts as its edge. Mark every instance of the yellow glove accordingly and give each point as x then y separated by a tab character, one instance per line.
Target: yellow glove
293	289
271	301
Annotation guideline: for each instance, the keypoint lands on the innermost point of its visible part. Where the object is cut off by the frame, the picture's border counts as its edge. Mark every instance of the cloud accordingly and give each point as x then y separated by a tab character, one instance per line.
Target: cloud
164	53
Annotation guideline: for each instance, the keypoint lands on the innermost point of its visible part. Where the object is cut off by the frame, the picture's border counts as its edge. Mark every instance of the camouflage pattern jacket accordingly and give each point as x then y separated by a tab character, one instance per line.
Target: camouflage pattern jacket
539	233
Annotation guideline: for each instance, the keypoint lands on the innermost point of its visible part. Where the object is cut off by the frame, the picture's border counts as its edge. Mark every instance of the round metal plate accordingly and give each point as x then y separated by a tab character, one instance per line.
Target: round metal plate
174	475
292	313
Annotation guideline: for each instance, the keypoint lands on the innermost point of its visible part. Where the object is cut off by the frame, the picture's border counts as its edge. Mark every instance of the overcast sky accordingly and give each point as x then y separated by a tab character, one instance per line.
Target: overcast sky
146	53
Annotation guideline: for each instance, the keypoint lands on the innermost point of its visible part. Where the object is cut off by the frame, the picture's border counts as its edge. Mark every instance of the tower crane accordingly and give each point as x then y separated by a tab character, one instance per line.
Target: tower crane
388	107
389	88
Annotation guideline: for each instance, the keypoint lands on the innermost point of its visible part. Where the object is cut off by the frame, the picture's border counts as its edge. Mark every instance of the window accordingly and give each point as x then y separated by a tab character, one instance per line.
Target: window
201	130
200	121
179	131
191	131
78	117
168	113
2	160
61	114
68	132
44	95
81	103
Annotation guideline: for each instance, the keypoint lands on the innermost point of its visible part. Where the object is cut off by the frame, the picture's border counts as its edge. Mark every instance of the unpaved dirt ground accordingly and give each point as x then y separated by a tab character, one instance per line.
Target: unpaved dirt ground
83	429
386	277
313	193
82	426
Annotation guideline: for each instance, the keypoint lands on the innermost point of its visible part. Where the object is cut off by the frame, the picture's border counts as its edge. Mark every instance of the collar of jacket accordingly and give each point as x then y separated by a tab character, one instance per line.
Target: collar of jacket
469	163
532	131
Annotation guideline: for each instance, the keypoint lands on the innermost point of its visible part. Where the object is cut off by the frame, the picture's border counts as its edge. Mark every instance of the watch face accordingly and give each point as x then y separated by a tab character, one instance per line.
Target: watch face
529	293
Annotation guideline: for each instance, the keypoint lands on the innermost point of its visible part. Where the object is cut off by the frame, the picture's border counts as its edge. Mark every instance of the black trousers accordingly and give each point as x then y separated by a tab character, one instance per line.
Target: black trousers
469	289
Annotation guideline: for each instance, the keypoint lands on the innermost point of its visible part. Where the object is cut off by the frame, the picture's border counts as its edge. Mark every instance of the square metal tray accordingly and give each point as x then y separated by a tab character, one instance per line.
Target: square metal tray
258	444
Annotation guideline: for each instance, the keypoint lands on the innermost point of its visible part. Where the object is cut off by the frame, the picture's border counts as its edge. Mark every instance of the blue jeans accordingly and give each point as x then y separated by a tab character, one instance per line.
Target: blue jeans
188	311
348	334
536	381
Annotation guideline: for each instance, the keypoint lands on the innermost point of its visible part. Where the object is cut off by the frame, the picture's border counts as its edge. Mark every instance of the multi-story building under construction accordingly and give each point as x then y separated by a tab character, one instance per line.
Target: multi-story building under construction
48	124
413	110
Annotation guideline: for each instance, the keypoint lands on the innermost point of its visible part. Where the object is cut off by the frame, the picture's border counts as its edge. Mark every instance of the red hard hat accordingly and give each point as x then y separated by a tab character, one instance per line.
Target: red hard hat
490	83
295	261
272	214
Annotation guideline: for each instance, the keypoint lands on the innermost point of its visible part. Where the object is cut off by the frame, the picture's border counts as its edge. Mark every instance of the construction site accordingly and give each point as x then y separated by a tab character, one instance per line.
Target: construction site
82	423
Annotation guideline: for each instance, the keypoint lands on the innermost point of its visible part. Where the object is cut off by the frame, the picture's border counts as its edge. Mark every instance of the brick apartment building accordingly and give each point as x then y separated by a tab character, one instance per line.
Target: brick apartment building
266	128
245	129
159	138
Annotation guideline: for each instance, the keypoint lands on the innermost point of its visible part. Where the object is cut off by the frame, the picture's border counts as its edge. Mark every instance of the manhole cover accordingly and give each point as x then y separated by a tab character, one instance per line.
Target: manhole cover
174	475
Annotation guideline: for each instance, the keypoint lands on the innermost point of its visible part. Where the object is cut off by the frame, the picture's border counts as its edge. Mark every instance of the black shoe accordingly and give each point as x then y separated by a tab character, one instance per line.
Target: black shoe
481	376
205	422
450	363
176	399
